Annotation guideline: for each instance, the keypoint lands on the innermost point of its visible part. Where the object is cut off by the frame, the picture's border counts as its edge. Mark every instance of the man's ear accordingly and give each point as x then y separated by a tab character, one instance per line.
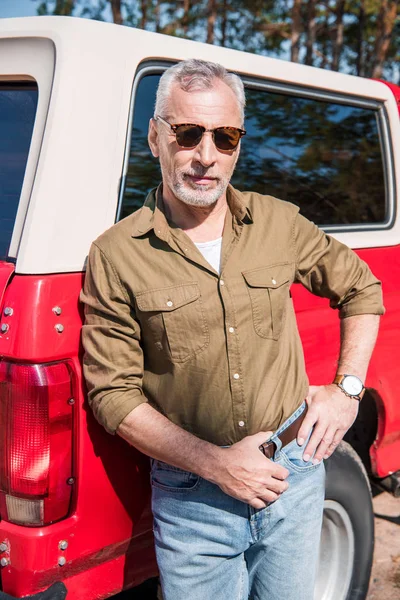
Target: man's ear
152	138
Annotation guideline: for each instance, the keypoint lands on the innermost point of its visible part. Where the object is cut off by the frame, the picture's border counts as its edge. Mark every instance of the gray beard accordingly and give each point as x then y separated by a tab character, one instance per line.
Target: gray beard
196	195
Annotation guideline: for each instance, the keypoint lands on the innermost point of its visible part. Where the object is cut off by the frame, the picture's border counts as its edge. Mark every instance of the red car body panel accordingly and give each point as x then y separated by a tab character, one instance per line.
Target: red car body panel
319	331
109	530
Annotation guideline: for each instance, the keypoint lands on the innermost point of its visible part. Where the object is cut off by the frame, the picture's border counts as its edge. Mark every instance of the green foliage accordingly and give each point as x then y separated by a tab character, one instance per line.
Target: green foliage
63	8
346	41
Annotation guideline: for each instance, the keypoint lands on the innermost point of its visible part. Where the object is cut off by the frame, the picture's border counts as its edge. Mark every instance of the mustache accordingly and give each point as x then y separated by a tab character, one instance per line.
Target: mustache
200	172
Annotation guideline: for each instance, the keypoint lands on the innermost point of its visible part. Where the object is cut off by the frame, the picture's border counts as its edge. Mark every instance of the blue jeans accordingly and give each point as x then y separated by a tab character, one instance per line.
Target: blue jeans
211	546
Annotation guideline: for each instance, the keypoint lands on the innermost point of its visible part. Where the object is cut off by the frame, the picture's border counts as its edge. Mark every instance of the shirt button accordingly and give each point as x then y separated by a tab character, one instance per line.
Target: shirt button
274	281
222	282
236	376
170	303
231	329
241	423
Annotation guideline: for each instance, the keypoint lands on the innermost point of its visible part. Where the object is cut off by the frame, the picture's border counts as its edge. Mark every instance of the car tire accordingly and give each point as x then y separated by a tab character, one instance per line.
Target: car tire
347	538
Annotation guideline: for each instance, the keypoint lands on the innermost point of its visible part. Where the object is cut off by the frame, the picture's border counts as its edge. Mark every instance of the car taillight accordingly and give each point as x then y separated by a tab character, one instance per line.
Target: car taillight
36	440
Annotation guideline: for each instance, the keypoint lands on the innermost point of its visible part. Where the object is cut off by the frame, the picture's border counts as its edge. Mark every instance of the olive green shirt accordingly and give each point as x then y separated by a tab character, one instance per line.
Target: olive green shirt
219	355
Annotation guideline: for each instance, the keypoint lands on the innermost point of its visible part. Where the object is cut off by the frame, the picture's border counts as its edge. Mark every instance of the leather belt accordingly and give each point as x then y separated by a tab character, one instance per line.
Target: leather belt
287	436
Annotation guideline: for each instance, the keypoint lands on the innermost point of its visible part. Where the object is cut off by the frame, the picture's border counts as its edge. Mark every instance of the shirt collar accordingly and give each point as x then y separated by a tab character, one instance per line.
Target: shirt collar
152	214
237	203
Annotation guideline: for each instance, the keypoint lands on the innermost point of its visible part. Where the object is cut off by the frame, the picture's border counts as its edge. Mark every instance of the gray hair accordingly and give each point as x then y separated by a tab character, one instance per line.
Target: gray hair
192	75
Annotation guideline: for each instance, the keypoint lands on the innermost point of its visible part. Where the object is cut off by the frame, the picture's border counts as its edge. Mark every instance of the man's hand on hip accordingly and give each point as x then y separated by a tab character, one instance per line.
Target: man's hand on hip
246	474
331	413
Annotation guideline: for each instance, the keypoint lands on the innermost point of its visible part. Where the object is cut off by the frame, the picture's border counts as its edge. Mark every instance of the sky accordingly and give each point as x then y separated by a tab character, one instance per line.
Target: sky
28	8
17	8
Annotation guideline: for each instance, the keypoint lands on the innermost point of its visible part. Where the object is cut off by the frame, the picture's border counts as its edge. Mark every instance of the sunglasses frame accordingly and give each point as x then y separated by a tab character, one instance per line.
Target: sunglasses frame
174	127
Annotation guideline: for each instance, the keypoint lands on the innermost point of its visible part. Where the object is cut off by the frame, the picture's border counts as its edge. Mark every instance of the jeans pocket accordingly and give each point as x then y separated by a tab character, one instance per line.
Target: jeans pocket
172	479
292	457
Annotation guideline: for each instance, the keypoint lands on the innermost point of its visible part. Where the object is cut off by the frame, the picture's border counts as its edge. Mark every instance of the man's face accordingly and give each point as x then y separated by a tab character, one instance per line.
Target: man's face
197	176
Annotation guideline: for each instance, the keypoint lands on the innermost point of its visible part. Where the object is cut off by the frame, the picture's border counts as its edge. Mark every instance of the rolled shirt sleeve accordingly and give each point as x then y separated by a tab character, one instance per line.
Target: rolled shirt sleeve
113	359
330	269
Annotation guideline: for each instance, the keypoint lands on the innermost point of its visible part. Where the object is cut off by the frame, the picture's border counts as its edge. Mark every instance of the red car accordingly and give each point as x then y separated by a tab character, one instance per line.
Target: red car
75	100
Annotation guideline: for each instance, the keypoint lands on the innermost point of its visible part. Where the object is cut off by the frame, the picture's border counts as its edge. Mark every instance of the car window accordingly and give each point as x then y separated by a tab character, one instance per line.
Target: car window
323	155
143	171
18	102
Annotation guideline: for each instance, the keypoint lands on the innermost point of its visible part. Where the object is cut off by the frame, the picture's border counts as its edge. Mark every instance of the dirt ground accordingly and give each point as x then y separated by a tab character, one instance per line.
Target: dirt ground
385	578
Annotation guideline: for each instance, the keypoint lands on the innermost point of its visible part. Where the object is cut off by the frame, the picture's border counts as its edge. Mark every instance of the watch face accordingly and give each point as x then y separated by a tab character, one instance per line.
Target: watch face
352	385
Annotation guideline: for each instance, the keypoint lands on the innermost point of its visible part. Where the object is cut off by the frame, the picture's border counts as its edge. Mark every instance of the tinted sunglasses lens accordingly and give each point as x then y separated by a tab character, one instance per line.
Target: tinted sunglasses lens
226	138
188	136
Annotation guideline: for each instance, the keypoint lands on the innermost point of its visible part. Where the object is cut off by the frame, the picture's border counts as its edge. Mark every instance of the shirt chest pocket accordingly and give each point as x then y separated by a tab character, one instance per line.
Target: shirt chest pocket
268	288
173	317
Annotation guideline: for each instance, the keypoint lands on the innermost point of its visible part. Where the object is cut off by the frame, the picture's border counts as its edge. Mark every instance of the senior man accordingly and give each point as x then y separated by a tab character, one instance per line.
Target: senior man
193	355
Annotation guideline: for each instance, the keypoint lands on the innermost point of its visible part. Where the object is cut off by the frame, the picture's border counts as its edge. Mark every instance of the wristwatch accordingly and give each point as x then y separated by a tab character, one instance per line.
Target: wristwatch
351	385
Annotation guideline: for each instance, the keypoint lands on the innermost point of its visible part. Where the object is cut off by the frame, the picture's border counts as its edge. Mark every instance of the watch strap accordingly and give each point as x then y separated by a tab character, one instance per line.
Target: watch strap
338	381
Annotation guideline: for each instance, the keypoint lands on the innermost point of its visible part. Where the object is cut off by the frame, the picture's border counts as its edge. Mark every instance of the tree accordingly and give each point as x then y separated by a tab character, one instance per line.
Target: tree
63	8
296	31
311	30
116	11
339	38
357	36
211	18
186	16
224	17
360	34
385	23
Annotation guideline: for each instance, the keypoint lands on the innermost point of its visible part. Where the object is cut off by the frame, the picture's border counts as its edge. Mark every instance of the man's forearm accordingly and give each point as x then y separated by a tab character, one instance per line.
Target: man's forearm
241	470
155	435
358	336
331	413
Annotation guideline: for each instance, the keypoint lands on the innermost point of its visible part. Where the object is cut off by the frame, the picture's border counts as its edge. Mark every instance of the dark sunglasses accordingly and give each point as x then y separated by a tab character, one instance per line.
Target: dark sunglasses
188	135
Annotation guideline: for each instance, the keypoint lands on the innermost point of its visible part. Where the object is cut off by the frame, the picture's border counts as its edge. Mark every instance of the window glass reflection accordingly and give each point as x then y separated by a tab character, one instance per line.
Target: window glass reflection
323	156
18	104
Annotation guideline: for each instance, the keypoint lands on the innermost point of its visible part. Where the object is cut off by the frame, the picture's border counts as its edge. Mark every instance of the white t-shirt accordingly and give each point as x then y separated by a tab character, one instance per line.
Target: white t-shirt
211	252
